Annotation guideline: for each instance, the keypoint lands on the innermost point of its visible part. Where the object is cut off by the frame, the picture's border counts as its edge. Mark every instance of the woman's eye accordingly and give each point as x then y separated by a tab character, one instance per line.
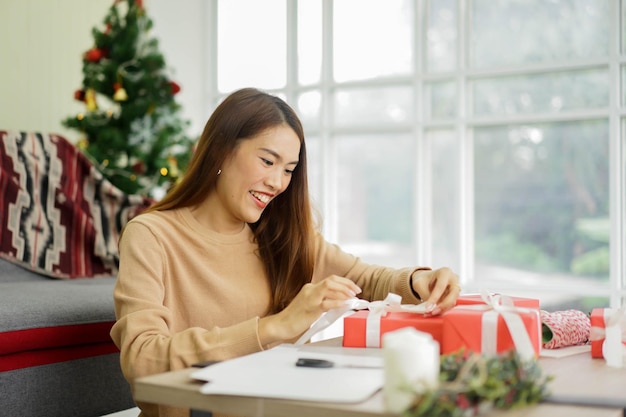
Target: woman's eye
289	171
267	162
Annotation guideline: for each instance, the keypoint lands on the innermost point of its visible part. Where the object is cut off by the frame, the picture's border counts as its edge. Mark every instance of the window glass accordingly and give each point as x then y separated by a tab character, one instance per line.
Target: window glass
515	32
375	193
309	41
251	46
372	38
309	109
314	162
542	202
373	106
542	93
446	194
442	100
441	37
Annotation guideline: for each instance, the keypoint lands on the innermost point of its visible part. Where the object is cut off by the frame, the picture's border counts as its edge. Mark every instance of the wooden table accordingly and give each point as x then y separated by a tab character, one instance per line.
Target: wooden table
582	387
179	390
580	379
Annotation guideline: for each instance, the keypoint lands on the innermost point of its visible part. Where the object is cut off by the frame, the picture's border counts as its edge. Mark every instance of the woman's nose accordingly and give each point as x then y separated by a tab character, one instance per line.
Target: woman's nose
274	179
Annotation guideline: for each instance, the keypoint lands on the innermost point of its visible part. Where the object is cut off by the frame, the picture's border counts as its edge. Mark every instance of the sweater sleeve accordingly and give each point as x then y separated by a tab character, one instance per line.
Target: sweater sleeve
144	330
376	281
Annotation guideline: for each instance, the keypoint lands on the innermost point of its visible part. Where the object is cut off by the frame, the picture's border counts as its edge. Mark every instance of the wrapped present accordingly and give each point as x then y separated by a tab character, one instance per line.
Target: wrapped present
608	335
365	328
357	332
496	326
469	299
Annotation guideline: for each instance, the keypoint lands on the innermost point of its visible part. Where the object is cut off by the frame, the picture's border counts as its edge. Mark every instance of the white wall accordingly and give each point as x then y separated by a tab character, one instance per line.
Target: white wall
180	27
41	43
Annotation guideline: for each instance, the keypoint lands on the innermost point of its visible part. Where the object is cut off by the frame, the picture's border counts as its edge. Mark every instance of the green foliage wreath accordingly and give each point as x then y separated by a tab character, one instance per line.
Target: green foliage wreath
471	384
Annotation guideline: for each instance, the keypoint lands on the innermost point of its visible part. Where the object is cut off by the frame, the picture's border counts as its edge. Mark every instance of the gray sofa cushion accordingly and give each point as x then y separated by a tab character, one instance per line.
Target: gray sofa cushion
49	302
39	313
11	272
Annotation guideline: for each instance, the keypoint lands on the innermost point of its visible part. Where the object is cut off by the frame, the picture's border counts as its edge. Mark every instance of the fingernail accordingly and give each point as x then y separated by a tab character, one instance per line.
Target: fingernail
430	307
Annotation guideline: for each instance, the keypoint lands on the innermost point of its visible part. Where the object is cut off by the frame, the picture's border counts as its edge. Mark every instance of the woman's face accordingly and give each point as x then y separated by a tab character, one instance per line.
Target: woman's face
259	170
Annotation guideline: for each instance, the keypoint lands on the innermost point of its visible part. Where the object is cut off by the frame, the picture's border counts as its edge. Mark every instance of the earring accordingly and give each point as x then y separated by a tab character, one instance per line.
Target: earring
219	171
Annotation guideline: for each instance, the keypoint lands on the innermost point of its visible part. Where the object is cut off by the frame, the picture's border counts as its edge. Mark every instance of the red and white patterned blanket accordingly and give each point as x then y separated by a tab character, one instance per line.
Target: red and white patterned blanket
58	215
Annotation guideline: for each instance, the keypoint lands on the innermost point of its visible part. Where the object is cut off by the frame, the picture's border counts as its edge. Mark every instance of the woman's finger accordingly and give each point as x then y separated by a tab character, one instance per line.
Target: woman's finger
444	290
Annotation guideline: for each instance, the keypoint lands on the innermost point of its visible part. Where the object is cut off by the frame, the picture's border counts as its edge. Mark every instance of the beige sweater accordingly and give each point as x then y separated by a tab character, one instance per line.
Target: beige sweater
185	294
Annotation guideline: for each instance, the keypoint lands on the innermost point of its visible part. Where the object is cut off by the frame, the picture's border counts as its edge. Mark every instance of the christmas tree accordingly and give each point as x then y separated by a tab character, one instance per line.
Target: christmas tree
131	126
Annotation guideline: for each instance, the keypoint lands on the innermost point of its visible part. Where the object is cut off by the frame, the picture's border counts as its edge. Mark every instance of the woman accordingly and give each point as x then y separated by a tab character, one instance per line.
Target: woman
230	263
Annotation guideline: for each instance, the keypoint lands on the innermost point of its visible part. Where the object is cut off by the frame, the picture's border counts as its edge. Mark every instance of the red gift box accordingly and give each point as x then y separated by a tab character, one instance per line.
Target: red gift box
486	331
598	325
355	326
469	299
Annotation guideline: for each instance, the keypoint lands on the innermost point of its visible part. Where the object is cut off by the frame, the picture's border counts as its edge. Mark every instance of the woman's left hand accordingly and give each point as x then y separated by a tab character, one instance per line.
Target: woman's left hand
439	288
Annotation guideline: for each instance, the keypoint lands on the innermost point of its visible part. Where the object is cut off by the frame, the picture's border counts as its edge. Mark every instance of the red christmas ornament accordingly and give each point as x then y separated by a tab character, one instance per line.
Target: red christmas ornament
175	87
139	167
94	55
79	95
139	3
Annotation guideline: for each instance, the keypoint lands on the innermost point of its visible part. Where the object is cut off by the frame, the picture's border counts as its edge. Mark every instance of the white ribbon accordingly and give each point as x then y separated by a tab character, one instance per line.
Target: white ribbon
614	335
378	309
497	305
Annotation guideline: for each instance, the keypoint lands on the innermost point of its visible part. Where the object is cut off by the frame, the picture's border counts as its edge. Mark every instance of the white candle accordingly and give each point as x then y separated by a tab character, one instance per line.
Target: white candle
411	366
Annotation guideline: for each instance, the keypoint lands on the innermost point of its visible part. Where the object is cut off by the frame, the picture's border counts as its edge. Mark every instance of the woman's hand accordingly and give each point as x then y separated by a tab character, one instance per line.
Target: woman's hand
438	288
305	308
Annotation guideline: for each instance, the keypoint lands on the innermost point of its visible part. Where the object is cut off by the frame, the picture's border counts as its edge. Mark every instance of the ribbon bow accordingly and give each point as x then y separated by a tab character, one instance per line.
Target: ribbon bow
614	335
378	309
498	305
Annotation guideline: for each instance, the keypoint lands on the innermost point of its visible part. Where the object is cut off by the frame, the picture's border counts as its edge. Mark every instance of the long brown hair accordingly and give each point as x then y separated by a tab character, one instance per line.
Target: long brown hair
284	233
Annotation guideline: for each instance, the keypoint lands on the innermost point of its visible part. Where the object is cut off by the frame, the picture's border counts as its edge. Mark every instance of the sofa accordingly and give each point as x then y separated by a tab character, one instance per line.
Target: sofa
59	225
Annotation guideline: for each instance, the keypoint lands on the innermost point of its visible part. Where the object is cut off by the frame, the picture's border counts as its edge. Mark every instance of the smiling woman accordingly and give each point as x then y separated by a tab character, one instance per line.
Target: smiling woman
230	262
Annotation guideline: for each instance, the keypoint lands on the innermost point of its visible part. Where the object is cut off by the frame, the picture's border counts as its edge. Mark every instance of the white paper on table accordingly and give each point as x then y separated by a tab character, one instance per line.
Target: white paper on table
564	351
273	374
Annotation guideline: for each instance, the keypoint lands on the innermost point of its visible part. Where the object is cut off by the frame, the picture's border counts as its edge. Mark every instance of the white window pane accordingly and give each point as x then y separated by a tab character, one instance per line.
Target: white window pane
252	47
445	202
309	109
372	38
442	36
507	33
314	162
542	93
309	41
542	202
373	106
442	101
375	191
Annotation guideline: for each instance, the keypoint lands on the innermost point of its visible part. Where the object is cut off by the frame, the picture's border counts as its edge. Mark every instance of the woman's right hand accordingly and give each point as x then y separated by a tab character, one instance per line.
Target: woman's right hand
305	308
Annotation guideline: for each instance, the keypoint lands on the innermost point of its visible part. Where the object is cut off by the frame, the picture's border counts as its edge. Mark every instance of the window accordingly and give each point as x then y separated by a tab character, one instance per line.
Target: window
485	135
